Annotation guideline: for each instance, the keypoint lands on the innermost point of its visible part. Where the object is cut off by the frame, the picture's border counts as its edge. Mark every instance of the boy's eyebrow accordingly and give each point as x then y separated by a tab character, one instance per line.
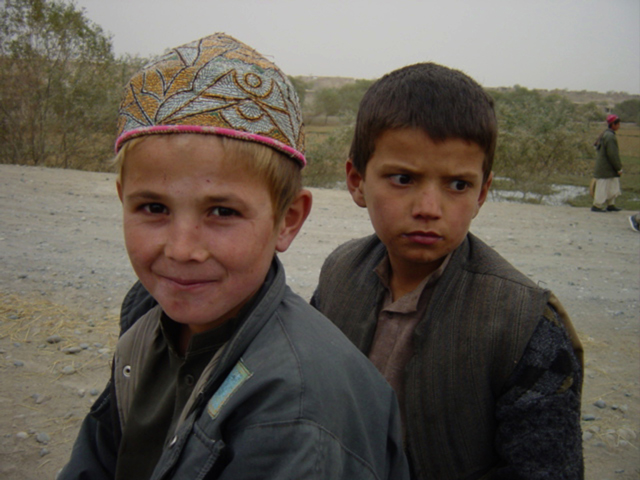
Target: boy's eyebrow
150	195
465	174
144	195
398	165
223	199
409	168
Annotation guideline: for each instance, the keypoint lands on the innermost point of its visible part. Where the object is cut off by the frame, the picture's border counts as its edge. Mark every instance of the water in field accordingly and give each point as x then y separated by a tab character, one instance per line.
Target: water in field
560	196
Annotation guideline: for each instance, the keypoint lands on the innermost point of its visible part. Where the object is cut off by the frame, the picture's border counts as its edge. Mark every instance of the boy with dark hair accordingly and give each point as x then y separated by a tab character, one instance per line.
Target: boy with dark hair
480	357
231	376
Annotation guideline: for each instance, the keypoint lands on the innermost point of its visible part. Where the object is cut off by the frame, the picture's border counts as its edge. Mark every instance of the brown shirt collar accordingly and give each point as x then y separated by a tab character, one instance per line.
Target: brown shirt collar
409	302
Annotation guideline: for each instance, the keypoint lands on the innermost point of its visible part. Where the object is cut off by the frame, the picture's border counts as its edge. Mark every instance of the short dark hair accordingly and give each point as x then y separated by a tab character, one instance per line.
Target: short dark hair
444	103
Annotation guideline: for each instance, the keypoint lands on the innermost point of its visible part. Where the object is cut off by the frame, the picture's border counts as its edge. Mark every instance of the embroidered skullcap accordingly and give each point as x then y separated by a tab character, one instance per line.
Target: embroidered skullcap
612	118
215	85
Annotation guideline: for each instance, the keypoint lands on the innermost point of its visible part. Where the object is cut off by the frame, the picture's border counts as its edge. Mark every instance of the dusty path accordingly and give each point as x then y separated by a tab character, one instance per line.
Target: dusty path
64	271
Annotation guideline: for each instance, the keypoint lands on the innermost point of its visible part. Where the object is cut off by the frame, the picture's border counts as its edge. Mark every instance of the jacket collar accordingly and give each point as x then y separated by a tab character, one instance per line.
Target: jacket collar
252	320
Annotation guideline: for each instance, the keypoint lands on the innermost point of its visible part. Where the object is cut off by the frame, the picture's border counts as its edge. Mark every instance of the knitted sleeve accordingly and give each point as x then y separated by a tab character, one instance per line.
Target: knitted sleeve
538	414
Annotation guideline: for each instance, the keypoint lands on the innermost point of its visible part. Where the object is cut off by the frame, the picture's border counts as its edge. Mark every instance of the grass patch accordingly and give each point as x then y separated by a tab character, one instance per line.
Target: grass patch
531	186
319	130
629	184
327	151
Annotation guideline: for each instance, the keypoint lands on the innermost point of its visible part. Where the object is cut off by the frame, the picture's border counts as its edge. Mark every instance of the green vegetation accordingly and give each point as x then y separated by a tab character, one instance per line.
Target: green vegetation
301	88
540	136
342	101
543	140
327	150
628	111
60	87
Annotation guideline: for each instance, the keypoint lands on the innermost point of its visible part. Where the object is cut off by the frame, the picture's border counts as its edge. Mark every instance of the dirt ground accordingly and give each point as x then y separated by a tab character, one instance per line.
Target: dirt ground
64	272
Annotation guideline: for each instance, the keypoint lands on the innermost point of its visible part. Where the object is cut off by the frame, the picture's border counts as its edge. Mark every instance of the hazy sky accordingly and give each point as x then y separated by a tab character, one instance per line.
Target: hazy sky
566	44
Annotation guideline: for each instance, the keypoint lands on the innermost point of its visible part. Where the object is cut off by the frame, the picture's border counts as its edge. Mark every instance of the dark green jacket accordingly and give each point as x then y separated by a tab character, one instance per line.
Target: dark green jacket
608	162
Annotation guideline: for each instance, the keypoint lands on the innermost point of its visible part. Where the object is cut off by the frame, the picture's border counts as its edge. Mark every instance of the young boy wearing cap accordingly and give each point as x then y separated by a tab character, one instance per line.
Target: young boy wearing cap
608	169
480	357
231	375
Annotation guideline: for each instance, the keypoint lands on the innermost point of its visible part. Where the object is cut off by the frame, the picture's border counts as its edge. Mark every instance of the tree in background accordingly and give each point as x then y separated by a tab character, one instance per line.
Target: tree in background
59	85
541	135
327	157
351	94
301	88
344	101
628	111
328	153
327	102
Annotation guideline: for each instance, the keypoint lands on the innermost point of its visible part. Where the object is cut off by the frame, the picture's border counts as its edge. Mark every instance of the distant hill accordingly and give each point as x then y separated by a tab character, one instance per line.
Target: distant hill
606	100
318	83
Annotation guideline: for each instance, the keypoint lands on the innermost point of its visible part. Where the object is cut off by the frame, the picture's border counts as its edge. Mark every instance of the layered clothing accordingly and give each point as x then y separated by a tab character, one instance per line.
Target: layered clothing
608	163
606	174
286	396
492	387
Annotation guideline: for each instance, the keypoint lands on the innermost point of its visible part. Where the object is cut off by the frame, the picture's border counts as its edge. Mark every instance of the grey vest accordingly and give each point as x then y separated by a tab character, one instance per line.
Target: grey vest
477	326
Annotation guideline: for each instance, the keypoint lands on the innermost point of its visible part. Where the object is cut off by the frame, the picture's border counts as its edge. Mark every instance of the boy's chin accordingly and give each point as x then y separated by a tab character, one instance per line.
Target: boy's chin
198	319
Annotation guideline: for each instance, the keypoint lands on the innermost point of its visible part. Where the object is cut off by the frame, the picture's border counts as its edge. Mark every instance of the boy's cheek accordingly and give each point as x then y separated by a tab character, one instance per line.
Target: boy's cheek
138	244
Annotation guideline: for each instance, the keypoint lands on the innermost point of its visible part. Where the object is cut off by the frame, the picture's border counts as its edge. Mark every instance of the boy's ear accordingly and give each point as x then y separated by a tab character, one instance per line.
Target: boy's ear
119	188
484	192
293	219
354	184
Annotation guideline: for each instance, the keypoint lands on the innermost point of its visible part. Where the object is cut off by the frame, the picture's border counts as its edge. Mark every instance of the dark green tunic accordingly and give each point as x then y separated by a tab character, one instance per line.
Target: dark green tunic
608	162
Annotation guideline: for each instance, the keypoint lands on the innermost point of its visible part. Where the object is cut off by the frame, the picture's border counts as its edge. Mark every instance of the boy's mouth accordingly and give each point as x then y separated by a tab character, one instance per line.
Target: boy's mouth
185	282
423	238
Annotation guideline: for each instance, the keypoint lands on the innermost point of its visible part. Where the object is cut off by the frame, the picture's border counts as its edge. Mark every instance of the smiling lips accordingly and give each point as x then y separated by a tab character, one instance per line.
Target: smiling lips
184	282
423	238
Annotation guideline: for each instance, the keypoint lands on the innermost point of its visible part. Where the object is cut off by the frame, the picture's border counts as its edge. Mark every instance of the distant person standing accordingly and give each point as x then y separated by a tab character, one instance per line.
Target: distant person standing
608	169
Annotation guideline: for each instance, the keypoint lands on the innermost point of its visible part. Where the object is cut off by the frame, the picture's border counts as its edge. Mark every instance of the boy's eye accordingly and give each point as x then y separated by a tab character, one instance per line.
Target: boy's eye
154	208
400	179
223	212
459	185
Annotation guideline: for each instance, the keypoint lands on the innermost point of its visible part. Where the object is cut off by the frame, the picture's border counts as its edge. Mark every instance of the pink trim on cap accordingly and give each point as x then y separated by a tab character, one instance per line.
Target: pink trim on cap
225	132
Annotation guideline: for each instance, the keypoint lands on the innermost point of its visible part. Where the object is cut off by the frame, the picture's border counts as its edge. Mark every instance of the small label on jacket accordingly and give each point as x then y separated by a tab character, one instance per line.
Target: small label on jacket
234	380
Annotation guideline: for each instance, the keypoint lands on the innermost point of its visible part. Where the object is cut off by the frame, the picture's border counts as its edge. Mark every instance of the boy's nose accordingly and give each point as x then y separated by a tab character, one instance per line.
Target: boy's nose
428	203
185	242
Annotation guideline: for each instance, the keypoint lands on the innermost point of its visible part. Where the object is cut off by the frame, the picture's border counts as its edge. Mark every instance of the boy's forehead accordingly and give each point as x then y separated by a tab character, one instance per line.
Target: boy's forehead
179	141
172	155
413	148
179	146
407	136
419	131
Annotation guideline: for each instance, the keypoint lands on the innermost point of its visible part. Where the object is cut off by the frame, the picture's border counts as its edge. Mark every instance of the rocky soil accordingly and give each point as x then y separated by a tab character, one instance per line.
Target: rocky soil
64	272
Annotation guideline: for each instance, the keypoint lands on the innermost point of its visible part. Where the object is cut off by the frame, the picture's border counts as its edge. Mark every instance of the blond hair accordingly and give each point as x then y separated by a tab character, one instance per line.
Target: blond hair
282	174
